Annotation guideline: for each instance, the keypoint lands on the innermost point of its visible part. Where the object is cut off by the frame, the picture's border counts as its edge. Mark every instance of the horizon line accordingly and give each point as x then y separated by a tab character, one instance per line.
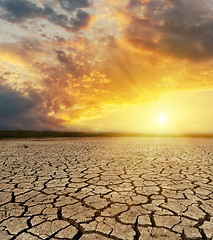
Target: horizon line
55	133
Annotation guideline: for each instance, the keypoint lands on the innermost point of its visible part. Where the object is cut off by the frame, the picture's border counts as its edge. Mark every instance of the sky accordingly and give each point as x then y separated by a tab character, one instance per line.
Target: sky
106	65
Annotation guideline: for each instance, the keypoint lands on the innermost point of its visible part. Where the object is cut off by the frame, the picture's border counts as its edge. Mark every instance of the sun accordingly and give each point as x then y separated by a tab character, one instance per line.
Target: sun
162	119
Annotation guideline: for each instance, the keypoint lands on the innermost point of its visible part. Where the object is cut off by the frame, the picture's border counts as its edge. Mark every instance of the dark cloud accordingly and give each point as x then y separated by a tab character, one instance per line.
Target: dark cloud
20	10
69	65
182	28
187	31
80	21
62	57
134	3
72	5
13	103
20	111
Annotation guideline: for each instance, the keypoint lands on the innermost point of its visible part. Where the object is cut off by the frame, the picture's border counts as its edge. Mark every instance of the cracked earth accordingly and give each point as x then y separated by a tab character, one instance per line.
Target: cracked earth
106	188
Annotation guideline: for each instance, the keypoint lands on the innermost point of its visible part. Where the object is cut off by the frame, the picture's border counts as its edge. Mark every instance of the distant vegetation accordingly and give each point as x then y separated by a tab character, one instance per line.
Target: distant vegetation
56	134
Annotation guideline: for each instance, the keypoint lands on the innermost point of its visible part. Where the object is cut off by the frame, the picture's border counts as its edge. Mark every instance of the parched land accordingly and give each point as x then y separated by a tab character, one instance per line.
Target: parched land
106	188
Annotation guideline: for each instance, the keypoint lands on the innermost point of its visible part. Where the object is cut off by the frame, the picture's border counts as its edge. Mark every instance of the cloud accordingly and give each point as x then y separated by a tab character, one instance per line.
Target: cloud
72	5
22	111
20	10
13	103
66	85
70	65
80	21
187	30
180	28
134	3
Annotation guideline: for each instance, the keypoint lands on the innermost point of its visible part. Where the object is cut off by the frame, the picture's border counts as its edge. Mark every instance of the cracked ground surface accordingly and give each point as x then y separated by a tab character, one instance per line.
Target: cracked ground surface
106	188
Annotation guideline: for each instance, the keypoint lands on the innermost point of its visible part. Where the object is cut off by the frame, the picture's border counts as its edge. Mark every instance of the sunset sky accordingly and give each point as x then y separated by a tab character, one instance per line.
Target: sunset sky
107	65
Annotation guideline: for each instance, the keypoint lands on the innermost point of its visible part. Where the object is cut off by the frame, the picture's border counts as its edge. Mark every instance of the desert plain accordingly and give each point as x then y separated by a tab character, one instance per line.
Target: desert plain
106	188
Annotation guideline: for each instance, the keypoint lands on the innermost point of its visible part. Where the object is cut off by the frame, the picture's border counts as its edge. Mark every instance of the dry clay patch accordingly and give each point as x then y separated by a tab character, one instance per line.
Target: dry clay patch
106	188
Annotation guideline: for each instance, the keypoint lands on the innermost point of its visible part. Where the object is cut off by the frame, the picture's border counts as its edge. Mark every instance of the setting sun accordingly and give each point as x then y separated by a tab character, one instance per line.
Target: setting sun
162	119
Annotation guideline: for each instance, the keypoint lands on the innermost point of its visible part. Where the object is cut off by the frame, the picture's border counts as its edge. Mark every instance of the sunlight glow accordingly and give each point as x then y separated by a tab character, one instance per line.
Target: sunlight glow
162	119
